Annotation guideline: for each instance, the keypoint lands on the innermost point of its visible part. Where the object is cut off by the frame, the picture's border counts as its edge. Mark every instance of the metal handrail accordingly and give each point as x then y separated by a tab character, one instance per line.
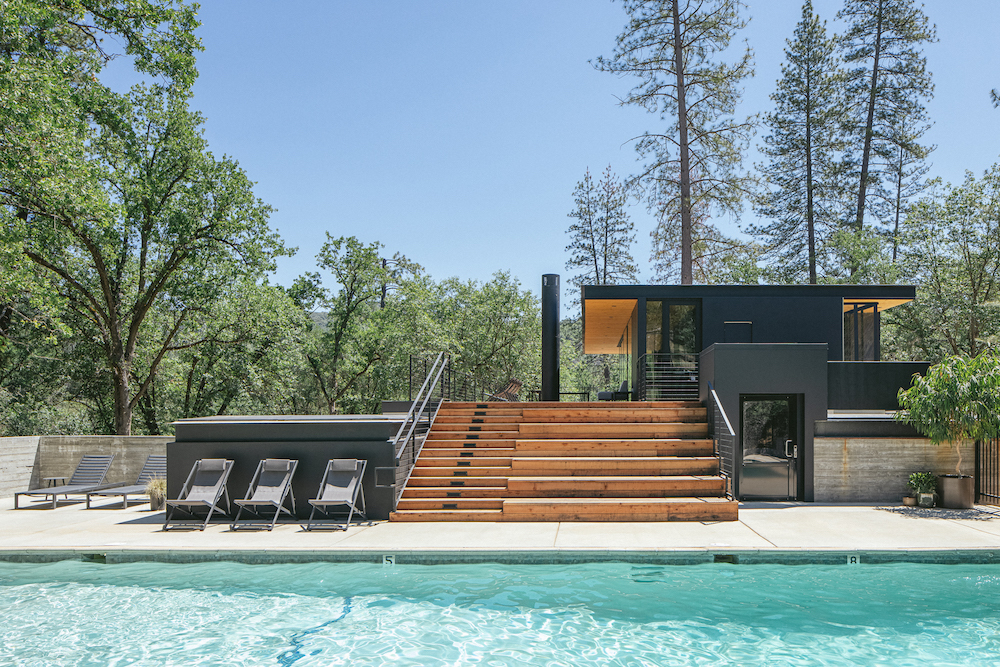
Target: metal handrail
723	439
407	435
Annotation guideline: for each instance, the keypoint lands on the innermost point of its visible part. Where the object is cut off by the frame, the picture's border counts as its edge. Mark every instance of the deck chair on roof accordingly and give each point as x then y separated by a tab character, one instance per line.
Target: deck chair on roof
621	395
270	485
154	468
88	476
509	393
340	487
204	488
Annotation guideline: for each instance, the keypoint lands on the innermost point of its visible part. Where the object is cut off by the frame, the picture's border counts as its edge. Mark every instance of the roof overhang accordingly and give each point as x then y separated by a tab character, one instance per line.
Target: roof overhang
604	322
883	303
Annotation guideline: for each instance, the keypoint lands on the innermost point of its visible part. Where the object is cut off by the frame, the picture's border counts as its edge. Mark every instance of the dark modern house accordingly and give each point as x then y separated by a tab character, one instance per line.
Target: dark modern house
777	366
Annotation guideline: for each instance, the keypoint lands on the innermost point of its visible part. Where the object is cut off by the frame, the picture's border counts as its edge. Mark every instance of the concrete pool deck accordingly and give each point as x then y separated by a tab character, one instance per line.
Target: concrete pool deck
766	532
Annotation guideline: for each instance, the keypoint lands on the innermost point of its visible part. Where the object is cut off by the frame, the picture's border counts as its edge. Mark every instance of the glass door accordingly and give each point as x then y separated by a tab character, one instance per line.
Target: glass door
770	447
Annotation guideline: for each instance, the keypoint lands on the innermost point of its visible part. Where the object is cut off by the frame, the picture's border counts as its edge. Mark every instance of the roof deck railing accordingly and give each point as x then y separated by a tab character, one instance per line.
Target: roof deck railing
667	377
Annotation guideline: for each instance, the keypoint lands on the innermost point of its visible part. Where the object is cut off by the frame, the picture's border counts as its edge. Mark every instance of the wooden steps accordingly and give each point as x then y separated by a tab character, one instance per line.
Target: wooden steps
567	462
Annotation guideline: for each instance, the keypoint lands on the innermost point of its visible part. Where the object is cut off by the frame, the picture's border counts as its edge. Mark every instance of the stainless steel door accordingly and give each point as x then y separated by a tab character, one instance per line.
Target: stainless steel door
770	462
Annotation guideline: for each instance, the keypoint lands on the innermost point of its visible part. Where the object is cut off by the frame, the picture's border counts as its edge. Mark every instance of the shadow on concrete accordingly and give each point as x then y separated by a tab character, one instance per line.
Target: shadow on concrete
148	518
940	513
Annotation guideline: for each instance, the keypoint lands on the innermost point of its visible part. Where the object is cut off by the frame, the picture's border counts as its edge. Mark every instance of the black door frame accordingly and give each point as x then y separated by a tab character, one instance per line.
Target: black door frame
797	404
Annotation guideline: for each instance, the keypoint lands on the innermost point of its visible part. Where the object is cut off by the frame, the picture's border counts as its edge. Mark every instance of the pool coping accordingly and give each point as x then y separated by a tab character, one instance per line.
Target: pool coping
687	556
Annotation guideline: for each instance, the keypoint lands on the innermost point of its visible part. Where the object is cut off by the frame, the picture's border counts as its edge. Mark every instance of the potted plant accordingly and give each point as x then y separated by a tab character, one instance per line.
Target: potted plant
923	485
958	400
157	491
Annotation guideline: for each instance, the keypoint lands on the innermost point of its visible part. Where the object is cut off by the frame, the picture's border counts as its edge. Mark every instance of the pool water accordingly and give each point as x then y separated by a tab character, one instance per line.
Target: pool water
75	613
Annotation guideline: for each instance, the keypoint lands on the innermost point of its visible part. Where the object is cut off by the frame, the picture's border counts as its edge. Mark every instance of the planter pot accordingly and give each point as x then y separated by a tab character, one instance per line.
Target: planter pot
925	499
155	503
957	491
909	501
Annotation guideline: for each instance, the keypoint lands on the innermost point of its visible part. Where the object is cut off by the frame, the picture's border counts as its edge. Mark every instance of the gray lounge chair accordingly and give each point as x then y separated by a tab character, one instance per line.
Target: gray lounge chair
154	468
621	395
88	476
205	486
340	487
270	485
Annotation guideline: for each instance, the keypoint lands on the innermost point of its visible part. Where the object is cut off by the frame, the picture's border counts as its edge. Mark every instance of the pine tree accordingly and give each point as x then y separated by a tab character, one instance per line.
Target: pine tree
803	147
670	46
889	82
603	233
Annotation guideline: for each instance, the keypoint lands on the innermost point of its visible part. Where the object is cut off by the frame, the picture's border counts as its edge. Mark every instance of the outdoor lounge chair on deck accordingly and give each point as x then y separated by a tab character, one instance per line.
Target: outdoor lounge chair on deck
270	485
88	476
621	395
341	486
509	393
154	468
205	486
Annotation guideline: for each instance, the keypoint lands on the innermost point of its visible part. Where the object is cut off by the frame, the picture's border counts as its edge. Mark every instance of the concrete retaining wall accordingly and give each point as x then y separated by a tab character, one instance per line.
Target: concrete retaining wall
25	462
18	464
876	469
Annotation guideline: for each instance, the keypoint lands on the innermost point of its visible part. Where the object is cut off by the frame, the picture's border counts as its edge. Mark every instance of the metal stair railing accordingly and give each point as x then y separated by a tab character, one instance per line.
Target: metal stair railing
723	438
412	432
668	377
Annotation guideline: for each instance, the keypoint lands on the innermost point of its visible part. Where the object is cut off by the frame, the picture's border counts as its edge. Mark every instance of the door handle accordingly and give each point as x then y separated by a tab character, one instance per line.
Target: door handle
791	450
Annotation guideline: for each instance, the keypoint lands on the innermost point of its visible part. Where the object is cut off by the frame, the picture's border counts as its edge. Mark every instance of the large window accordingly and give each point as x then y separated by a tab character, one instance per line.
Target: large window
671	328
861	332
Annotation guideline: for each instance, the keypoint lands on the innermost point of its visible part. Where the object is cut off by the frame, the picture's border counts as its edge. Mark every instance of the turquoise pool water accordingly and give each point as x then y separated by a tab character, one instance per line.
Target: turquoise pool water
74	613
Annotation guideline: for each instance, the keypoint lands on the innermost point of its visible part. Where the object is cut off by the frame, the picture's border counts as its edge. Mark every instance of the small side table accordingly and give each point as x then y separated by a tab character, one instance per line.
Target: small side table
51	481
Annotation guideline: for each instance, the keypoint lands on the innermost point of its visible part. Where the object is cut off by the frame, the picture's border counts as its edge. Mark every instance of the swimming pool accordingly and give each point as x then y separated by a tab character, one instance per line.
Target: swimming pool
75	613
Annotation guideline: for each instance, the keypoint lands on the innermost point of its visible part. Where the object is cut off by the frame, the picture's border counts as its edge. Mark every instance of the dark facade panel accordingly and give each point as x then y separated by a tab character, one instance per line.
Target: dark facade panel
870	385
790	319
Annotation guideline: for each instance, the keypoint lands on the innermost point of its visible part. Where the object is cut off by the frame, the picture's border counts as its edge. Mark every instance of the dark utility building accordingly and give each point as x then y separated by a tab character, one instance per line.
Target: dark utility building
776	366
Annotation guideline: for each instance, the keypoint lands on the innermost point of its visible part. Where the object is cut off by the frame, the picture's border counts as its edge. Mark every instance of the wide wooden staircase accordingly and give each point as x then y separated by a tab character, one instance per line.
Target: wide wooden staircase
624	461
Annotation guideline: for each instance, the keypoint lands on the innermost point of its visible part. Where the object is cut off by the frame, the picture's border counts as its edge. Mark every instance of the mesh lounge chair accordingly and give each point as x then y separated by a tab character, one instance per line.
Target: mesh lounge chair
341	486
205	486
88	476
270	485
154	468
621	395
509	393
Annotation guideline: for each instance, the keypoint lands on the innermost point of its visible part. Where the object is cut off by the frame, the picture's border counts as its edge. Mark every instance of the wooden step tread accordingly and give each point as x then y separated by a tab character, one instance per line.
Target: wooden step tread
624	405
446	515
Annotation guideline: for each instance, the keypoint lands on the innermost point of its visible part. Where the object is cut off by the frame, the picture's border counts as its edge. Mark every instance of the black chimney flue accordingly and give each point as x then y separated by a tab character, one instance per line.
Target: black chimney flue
550	337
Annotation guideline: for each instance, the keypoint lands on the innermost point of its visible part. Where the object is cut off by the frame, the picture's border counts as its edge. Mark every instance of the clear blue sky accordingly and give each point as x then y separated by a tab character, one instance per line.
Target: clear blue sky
454	131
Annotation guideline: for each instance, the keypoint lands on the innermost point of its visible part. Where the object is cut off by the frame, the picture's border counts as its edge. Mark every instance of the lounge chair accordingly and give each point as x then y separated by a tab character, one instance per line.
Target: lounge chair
341	486
154	468
88	476
621	395
270	485
508	394
205	486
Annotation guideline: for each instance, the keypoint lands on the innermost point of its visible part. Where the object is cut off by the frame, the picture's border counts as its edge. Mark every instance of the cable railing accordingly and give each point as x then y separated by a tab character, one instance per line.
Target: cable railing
723	438
667	377
988	471
412	432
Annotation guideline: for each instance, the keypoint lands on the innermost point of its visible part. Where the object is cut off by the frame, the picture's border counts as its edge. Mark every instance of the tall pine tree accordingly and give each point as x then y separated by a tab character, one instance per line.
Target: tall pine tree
672	47
602	233
803	146
888	82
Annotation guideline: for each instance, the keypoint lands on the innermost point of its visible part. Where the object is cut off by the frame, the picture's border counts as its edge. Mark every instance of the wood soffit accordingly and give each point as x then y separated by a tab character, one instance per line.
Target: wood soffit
604	322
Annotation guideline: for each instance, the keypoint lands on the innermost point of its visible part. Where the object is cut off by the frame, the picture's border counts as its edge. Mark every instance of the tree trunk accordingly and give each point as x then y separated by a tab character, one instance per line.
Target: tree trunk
120	374
865	155
810	218
687	275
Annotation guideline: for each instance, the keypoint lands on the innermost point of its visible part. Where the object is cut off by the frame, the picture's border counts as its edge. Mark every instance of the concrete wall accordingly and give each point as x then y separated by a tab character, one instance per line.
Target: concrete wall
18	464
876	469
25	462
